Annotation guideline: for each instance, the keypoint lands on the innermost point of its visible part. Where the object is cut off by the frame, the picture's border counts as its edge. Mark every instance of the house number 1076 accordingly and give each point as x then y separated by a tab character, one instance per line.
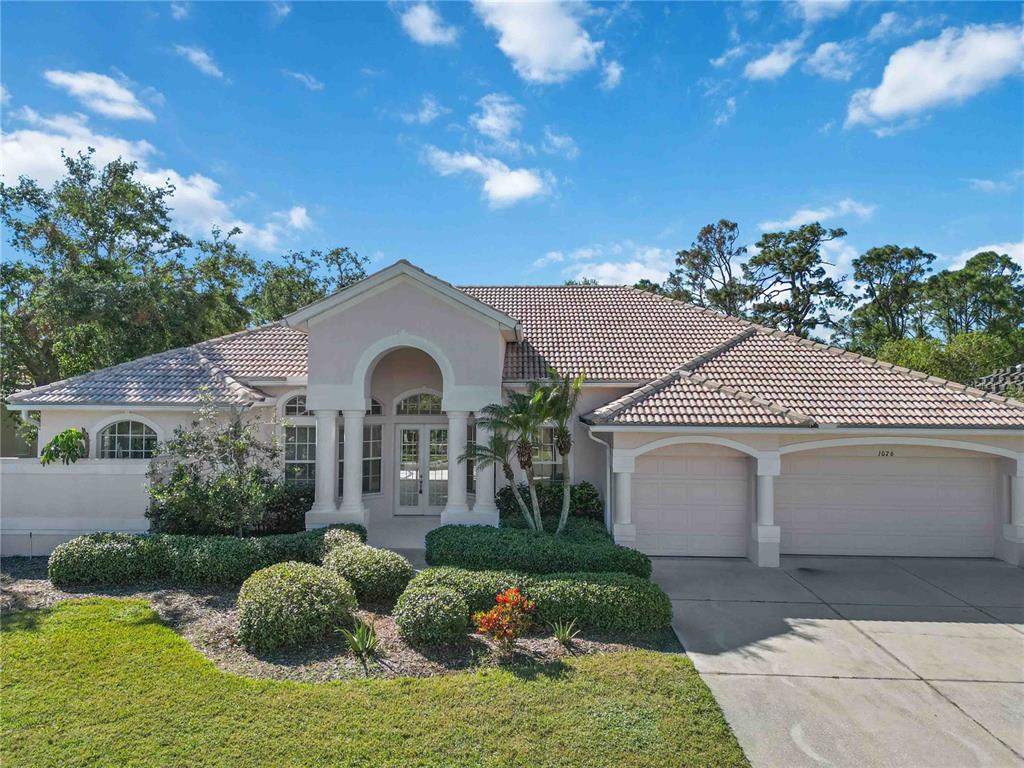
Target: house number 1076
886	453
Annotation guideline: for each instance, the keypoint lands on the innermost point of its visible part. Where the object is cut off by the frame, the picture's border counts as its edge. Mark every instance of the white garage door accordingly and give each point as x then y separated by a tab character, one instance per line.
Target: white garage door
692	500
887	500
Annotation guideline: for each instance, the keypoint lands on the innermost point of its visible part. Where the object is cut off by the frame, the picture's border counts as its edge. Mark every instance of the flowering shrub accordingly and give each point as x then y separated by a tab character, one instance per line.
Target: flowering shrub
507	620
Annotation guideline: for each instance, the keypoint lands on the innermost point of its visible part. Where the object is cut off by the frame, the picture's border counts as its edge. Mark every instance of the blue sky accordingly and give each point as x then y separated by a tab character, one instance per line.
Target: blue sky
532	143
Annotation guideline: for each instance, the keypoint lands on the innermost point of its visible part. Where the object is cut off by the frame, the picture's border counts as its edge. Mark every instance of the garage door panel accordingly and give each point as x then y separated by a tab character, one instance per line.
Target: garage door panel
933	506
691	505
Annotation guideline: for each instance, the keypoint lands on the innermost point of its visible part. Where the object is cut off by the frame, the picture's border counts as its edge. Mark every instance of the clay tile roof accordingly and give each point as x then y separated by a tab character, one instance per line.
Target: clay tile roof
611	333
1003	379
176	377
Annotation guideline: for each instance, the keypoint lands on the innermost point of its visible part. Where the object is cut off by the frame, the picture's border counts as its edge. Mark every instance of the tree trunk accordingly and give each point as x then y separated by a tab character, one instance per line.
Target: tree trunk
531	483
511	478
566	494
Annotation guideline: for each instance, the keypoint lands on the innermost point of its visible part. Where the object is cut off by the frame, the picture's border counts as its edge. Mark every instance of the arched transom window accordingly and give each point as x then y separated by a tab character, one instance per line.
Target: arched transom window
296	406
127	440
422	404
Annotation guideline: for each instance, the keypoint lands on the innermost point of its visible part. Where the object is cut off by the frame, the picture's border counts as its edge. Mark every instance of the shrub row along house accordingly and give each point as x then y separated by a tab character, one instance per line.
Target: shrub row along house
705	434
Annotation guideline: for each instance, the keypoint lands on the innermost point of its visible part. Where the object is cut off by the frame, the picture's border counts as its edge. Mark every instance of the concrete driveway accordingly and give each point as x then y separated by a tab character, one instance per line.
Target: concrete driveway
851	661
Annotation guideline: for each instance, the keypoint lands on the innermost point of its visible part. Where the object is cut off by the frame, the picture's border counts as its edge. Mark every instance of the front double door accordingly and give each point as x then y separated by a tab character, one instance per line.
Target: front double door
422	469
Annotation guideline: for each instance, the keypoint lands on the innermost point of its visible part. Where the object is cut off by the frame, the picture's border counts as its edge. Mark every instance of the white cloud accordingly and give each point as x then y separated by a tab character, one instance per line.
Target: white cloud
100	93
306	79
280	10
622	263
298	218
429	110
197	204
180	11
498	118
845	207
559	144
1011	182
731	54
835	61
5	95
776	62
612	76
892	24
948	69
424	25
200	59
502	186
1015	250
544	41
725	114
838	257
814	11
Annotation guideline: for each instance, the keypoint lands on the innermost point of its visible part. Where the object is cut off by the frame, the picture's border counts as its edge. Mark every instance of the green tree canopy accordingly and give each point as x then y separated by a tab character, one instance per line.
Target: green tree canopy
281	288
708	273
965	357
791	286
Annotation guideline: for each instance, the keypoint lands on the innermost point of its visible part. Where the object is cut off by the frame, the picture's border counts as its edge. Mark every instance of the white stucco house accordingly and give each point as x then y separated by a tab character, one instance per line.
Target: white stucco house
706	435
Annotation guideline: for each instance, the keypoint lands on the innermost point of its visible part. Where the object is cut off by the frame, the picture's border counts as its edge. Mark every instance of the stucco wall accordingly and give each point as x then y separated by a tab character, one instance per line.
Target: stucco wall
43	506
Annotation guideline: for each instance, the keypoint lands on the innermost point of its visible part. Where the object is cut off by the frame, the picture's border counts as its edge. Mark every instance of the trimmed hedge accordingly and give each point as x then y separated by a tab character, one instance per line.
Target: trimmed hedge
481	547
377	575
609	602
478	588
584	501
343	537
123	558
291	604
431	615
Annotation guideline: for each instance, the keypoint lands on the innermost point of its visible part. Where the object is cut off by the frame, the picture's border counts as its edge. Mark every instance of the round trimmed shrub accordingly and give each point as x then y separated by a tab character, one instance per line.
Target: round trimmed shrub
478	588
377	575
290	604
341	537
431	615
610	602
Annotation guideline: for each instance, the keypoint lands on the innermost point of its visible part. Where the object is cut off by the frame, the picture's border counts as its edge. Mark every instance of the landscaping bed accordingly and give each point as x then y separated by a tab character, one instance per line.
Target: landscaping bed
207	618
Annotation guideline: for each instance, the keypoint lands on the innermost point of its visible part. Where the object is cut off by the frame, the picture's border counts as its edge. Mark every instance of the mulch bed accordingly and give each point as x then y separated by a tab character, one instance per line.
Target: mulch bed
206	617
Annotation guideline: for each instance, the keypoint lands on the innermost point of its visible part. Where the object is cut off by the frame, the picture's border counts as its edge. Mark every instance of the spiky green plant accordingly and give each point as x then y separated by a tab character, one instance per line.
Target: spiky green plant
565	633
363	642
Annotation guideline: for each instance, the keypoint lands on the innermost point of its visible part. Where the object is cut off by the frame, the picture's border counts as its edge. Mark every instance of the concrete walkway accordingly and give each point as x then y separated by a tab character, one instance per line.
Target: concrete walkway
847	661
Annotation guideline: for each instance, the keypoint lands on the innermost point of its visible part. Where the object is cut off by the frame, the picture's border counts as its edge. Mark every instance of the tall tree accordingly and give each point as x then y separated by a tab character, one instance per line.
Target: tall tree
561	394
281	288
987	294
105	278
792	288
892	279
964	357
708	273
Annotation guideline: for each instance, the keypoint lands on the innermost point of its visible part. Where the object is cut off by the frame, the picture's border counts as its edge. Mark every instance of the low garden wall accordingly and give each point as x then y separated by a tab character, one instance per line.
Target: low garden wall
40	507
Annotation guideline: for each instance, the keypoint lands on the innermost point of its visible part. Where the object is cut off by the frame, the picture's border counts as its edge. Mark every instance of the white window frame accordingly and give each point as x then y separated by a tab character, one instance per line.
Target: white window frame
369	424
555	463
99	426
287	422
409	393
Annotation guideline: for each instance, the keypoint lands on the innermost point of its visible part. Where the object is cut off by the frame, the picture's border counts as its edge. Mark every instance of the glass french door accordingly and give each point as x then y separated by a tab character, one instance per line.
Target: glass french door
422	469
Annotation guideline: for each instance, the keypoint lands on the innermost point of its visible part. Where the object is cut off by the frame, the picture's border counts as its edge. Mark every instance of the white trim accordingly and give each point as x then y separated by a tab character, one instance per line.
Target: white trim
925	441
118	407
698	439
284	381
99	426
751	429
401	269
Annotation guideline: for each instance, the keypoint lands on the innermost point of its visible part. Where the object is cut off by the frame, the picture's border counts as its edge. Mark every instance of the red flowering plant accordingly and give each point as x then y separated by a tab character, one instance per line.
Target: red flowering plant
506	622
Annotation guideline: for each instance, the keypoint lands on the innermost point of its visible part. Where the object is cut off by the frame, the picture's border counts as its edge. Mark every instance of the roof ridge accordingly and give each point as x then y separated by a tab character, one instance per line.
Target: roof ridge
686	370
874	362
230	381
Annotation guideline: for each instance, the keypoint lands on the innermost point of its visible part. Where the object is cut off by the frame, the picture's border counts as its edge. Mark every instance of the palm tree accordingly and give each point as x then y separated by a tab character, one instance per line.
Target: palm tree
562	393
520	420
497	451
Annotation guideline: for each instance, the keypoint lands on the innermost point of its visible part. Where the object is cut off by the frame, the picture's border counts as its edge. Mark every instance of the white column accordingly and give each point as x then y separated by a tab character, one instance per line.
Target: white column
764	534
352	509
624	530
324	510
1011	548
456	506
484	508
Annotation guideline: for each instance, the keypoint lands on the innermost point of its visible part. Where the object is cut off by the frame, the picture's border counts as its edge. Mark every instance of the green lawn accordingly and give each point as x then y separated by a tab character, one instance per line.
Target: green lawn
103	682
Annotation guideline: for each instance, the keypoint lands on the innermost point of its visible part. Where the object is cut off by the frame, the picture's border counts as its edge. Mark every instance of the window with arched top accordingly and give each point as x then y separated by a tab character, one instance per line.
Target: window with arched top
375	409
127	440
422	404
296	406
